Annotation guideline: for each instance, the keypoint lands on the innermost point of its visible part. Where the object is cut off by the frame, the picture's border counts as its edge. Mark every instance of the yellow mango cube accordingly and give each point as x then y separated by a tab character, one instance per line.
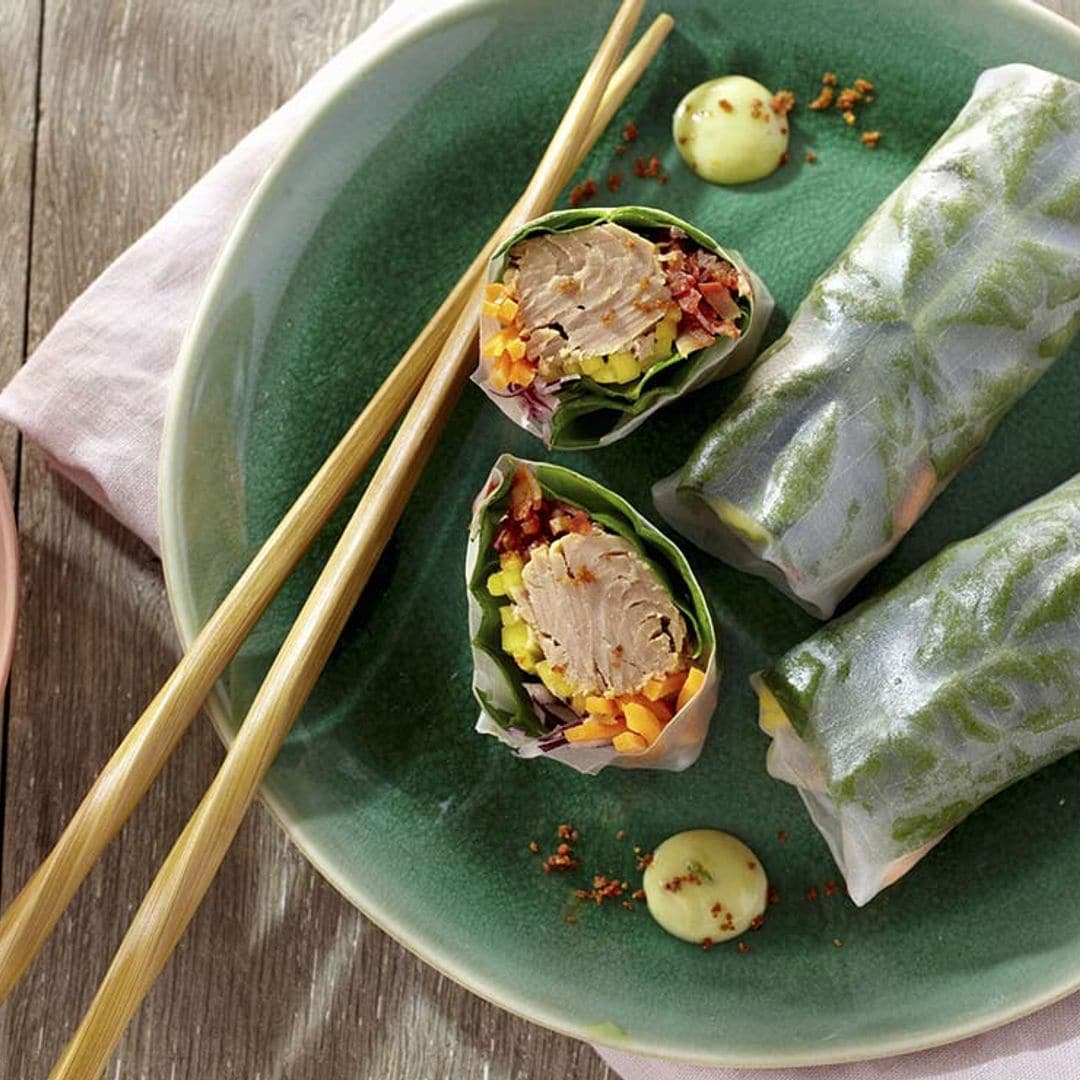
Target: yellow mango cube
590	730
695	680
657	689
509	615
516	348
496	584
495	345
490	309
641	720
600	706
628	742
508	310
590	365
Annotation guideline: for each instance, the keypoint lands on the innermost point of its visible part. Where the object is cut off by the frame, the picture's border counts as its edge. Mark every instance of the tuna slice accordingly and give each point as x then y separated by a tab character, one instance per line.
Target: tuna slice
602	615
602	286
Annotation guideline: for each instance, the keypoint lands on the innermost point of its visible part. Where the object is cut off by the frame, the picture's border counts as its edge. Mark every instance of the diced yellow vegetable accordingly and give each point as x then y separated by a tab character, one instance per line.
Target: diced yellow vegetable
606	372
509	615
577	703
695	680
495	345
516	348
601	706
517	638
554	679
589	730
771	715
494	290
641	720
655	689
511	572
590	365
522	373
508	310
628	742
661	710
490	309
526	661
496	584
625	366
500	374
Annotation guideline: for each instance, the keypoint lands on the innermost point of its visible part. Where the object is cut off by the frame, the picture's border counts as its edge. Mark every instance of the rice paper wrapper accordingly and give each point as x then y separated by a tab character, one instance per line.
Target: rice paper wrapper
907	714
507	710
950	302
570	417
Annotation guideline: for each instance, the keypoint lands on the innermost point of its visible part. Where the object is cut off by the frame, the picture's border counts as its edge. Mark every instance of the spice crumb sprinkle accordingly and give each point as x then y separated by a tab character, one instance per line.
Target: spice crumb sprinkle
870	139
534	847
837	943
744	948
812	893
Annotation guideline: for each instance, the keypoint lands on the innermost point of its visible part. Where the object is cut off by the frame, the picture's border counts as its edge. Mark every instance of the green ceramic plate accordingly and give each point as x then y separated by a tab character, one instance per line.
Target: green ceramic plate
343	253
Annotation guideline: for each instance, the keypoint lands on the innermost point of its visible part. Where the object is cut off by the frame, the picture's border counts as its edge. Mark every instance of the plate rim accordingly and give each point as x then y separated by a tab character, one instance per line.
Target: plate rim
413	25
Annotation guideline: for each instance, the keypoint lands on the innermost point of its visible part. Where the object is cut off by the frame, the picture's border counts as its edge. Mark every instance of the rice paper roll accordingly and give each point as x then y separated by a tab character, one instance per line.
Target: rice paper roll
593	319
896	721
592	642
955	296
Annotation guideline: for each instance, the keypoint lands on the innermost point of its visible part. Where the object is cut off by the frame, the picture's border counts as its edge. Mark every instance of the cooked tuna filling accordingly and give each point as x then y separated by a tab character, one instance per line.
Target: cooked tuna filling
601	615
602	287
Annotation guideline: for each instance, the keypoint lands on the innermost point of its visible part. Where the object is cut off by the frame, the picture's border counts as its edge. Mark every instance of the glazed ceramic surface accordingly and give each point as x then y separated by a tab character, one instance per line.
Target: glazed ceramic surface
346	249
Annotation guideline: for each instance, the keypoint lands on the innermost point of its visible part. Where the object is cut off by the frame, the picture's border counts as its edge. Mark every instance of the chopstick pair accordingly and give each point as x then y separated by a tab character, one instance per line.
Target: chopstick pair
434	370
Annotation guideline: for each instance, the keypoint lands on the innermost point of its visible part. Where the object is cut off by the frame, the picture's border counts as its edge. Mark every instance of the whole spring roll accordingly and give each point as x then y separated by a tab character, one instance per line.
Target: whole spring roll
592	642
593	319
896	721
955	296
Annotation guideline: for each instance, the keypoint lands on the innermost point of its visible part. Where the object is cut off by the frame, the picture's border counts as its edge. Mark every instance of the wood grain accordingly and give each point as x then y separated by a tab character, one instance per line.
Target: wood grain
277	978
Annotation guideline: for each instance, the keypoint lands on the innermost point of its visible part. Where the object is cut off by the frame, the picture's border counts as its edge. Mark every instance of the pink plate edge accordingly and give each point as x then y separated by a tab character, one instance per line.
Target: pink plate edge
9	579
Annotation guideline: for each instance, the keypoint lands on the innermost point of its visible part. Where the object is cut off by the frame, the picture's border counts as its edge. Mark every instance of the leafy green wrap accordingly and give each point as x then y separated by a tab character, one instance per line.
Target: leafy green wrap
569	405
955	296
515	705
896	721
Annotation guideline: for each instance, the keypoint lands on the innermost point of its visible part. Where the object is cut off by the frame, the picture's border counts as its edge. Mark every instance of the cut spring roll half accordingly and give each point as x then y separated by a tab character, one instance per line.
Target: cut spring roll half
592	642
593	319
956	295
898	720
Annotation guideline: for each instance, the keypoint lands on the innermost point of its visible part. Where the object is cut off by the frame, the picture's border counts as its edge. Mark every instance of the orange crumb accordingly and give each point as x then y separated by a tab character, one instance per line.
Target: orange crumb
783	102
849	118
863	85
828	79
630	132
614	182
848	98
583	191
870	139
823	100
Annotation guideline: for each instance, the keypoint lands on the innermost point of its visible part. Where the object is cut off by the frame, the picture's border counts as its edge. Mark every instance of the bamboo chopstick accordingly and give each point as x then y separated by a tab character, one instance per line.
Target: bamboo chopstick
190	867
31	916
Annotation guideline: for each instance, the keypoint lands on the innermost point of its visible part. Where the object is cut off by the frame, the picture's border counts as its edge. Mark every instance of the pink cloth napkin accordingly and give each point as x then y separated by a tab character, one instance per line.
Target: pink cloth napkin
93	397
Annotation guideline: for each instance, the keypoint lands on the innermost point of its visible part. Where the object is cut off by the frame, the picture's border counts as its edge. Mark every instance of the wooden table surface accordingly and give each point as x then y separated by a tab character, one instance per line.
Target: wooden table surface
109	110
